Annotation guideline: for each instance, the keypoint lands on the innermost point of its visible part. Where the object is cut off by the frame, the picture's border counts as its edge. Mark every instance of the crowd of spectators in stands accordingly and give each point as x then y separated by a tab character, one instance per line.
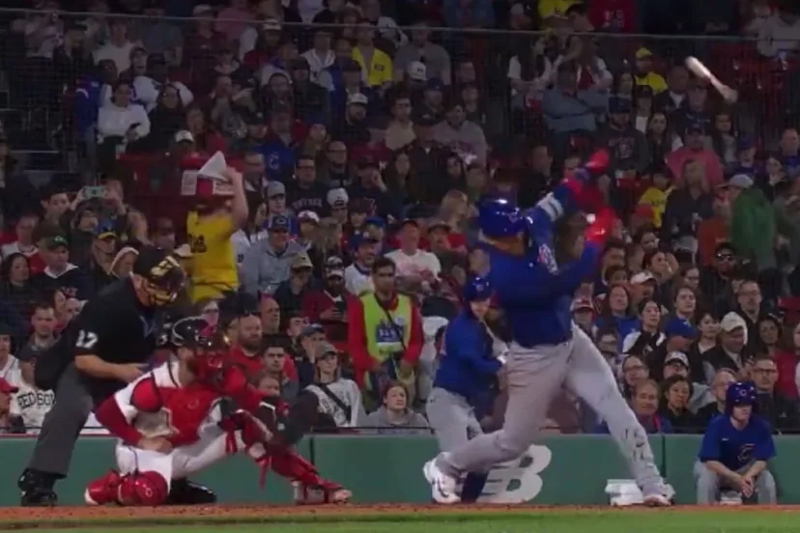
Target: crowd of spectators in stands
365	133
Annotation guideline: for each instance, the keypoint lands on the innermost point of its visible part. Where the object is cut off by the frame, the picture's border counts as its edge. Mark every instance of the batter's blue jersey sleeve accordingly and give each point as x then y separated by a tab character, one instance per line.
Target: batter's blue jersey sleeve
522	280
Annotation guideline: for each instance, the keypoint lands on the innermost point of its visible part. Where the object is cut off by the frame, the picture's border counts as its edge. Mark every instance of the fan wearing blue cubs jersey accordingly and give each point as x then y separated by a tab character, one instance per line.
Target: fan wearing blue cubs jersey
537	261
736	448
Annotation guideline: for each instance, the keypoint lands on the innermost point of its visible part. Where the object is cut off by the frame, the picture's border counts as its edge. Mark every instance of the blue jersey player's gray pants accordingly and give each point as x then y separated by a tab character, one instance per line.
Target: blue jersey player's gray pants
710	485
535	376
452	419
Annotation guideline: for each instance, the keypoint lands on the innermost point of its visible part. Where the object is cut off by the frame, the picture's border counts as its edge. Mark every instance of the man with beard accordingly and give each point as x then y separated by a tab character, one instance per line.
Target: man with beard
626	145
353	129
328	307
102	251
248	350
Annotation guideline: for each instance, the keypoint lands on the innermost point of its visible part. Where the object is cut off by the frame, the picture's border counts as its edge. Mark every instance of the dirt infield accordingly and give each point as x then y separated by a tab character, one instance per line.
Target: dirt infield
31	518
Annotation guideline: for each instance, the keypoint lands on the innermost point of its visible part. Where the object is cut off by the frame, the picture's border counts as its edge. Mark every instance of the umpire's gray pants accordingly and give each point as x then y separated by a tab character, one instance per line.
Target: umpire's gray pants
62	424
709	485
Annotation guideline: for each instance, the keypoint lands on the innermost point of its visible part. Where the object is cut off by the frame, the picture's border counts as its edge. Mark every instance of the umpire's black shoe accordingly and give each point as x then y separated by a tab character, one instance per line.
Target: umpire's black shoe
184	492
39	498
37	489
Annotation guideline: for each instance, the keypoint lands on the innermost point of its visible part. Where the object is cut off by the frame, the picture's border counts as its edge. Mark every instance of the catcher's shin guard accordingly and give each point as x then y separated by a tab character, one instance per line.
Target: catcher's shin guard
309	488
146	489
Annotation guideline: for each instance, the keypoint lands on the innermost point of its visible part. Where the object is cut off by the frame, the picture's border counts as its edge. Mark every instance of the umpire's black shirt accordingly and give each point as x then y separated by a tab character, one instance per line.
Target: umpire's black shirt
118	329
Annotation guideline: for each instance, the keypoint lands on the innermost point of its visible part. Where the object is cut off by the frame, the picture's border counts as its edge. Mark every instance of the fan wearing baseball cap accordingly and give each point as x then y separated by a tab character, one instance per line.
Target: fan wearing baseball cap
209	229
59	273
267	263
328	305
10	423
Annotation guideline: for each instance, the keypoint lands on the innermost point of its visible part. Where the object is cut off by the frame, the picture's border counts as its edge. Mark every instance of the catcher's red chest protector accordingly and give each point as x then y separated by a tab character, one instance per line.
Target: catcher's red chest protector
167	409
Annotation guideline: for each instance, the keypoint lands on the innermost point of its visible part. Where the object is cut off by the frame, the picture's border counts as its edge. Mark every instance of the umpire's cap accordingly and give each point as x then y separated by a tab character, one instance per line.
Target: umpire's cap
162	272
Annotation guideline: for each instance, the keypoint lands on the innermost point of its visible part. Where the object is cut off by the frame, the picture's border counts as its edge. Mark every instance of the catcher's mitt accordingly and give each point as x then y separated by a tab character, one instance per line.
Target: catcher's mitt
324	493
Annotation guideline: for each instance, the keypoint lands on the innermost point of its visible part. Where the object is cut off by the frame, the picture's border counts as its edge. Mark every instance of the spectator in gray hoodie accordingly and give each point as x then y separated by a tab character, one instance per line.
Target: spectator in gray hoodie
394	416
267	263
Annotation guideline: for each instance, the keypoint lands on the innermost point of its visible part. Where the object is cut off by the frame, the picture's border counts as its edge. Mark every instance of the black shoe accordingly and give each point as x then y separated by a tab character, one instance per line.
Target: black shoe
39	498
37	489
184	492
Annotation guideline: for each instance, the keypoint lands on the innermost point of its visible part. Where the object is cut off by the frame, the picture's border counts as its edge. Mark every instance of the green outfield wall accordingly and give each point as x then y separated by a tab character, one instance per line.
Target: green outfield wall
559	470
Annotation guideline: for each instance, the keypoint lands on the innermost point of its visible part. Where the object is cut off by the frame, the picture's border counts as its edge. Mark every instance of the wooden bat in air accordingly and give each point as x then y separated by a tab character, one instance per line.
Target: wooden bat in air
701	71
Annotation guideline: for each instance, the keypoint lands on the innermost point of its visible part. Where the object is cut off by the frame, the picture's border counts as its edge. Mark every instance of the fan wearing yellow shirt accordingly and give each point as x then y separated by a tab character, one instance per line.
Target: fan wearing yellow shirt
656	195
645	75
555	8
376	64
210	226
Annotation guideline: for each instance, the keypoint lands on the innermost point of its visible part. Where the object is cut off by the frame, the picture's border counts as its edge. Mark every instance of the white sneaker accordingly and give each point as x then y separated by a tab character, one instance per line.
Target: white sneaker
443	487
656	500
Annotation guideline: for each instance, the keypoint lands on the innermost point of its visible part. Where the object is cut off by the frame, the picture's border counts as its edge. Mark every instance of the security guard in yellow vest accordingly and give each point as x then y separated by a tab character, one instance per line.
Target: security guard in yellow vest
384	334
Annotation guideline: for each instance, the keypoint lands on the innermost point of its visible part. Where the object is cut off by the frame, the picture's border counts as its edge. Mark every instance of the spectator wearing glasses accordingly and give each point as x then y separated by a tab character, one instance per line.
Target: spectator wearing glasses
715	278
774	407
305	193
749	307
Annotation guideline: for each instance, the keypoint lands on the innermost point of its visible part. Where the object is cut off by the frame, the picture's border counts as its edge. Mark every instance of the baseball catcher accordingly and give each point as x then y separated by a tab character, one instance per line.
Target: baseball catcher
172	422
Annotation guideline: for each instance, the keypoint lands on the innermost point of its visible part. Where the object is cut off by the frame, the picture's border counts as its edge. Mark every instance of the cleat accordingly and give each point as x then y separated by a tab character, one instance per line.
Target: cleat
184	492
443	487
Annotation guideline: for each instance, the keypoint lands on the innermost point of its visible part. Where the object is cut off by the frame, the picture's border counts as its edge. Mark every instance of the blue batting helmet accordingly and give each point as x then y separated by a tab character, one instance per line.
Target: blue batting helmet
740	393
477	288
498	217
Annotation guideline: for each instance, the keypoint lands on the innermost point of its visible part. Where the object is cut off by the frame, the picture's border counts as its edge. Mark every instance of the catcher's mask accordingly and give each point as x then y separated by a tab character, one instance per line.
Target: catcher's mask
209	345
161	276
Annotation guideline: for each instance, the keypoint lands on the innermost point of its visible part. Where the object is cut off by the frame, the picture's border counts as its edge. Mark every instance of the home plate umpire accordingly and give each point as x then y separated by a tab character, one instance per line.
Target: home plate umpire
103	349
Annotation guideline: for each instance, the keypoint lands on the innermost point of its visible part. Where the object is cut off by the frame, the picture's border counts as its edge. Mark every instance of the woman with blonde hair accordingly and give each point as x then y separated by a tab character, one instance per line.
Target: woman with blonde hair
327	243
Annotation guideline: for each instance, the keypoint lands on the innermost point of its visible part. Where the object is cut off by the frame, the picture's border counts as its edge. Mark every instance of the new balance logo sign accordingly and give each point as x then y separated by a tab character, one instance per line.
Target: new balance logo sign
517	481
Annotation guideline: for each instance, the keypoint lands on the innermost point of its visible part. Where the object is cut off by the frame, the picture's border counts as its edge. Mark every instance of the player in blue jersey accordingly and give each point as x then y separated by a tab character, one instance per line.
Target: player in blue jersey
735	451
470	361
537	261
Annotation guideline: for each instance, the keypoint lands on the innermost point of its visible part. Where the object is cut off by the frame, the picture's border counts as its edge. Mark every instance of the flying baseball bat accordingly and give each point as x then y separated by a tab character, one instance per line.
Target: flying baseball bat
701	71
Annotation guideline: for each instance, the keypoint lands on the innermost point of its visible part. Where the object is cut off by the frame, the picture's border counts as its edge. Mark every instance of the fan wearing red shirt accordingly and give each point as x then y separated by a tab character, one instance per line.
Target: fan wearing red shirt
613	15
328	306
375	149
248	352
24	242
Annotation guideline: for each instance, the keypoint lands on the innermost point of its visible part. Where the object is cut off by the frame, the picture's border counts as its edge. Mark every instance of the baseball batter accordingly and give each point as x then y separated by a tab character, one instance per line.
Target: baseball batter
537	262
466	370
170	424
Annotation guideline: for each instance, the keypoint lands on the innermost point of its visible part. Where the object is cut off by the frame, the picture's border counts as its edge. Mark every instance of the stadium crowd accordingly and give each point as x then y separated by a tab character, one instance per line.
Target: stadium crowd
365	134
